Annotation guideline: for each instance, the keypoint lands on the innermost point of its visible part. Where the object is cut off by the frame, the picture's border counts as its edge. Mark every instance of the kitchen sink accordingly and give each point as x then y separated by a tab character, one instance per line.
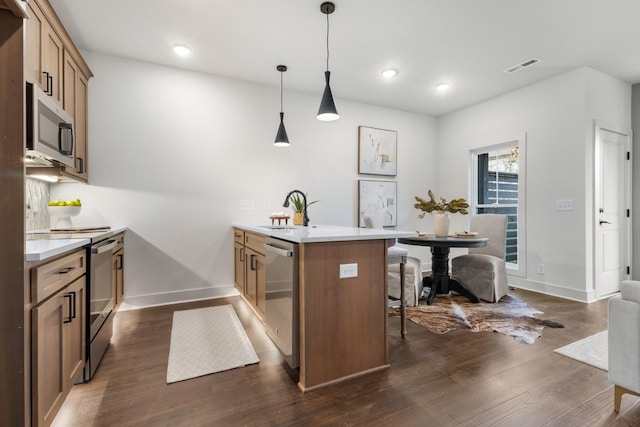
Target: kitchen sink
279	227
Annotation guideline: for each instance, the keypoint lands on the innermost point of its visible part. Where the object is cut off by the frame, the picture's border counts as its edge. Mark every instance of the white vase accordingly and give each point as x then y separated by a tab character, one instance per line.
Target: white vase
441	222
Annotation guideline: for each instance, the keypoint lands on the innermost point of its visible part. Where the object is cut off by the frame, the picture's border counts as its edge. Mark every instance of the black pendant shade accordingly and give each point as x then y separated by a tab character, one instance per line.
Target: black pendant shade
282	140
327	111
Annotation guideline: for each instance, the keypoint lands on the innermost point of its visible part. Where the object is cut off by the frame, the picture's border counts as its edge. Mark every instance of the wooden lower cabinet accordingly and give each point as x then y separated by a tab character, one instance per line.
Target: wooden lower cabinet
239	258
255	280
117	275
249	269
58	349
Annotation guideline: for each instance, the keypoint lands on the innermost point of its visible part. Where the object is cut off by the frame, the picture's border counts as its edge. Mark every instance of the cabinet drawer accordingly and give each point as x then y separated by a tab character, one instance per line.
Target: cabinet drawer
238	236
254	241
49	278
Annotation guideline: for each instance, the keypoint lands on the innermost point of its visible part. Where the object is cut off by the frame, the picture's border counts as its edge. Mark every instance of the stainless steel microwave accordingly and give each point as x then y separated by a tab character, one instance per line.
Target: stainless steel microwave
49	128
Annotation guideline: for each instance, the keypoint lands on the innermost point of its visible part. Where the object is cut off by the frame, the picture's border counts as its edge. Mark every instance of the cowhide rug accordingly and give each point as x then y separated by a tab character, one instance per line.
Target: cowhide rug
510	316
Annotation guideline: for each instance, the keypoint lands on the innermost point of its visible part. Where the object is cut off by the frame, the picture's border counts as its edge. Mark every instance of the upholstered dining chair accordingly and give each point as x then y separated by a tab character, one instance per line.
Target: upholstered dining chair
482	271
624	341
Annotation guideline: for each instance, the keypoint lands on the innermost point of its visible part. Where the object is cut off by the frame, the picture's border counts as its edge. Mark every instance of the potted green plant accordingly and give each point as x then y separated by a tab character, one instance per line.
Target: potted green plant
297	206
440	211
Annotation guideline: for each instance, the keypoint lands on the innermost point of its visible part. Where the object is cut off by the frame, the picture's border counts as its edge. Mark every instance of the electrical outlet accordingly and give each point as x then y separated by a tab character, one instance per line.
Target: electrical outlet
348	270
247	205
266	205
564	205
540	269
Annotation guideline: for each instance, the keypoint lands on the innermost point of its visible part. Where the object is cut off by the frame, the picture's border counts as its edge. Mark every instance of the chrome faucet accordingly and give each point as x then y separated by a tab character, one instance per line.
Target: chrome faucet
305	218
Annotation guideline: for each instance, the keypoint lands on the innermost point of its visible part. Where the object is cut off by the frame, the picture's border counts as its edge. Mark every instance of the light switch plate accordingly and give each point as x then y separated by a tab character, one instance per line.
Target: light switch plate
247	205
348	270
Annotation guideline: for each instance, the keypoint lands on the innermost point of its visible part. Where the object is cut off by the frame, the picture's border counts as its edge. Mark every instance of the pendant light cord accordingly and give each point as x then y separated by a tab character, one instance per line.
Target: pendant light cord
281	108
327	42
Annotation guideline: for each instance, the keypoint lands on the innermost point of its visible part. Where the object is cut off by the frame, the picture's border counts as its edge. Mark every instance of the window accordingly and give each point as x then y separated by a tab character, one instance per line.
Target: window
498	187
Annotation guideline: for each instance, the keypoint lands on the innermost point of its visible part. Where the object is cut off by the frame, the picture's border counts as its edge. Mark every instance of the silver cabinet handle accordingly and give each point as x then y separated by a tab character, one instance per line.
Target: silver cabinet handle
604	222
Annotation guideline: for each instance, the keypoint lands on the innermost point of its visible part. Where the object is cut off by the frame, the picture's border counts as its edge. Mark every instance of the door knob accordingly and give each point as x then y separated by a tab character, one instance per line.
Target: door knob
604	222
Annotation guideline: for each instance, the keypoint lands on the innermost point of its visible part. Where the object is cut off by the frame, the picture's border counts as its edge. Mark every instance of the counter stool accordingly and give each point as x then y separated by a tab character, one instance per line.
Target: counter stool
396	255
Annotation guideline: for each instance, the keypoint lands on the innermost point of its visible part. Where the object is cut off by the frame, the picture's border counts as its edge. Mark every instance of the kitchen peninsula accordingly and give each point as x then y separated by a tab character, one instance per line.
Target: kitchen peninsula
341	295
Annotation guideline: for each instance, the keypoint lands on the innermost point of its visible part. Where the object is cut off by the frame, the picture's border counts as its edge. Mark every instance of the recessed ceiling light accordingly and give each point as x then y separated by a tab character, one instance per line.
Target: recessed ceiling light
441	87
181	50
389	73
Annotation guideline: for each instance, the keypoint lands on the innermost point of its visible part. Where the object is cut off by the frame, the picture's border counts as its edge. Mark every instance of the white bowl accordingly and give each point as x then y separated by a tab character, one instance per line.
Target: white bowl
64	210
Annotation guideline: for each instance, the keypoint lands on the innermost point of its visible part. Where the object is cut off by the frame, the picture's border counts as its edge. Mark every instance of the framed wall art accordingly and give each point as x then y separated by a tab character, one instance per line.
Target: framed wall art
377	205
377	151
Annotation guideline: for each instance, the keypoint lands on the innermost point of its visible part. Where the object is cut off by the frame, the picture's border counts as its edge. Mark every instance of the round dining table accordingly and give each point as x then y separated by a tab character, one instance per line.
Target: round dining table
440	282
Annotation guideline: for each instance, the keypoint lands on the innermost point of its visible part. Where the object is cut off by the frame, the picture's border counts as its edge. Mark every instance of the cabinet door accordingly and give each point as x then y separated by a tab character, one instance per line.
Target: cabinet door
75	103
33	45
255	280
251	275
118	276
239	258
52	54
74	332
47	354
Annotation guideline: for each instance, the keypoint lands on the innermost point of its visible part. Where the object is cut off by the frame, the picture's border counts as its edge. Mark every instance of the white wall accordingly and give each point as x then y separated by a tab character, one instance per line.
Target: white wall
557	116
173	152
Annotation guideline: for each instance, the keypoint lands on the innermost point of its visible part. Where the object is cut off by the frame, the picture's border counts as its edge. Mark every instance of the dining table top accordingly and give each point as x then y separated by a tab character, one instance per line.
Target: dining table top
451	241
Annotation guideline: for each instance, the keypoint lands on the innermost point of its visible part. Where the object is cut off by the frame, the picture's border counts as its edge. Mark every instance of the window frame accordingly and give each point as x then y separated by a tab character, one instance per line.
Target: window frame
519	269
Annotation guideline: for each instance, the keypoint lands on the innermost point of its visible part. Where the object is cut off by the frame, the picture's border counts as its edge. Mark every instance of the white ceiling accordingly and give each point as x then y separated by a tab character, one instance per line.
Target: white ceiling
466	42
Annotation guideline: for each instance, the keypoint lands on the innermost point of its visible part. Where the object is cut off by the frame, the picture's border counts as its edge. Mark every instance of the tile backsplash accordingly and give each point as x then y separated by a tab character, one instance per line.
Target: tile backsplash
37	196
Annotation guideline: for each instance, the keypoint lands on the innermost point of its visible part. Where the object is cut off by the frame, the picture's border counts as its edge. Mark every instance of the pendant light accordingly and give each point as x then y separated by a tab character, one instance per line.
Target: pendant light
327	111
281	137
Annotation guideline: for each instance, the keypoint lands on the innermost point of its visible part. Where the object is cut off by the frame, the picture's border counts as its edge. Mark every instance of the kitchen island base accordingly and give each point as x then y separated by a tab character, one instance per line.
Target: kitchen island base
343	321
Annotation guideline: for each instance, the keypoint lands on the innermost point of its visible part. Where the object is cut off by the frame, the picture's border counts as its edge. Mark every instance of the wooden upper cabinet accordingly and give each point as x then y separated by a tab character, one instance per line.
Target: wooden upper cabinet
54	63
33	45
75	103
52	57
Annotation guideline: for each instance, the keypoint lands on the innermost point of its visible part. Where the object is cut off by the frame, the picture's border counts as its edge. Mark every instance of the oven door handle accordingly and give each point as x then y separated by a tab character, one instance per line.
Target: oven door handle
104	246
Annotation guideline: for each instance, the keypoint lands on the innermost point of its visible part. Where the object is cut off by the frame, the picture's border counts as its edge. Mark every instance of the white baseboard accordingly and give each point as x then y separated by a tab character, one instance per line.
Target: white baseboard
581	295
151	300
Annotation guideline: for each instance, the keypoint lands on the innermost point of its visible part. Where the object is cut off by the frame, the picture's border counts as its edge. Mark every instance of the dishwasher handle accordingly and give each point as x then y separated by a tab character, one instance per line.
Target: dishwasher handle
279	251
104	246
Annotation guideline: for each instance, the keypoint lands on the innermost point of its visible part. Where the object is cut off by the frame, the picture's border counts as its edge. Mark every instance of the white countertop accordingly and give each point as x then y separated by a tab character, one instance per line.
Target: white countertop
323	233
39	250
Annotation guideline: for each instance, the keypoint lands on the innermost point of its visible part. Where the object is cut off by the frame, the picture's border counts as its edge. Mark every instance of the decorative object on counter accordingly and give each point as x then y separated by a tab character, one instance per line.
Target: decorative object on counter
205	341
299	206
377	151
282	140
63	211
511	316
279	216
327	111
440	211
377	203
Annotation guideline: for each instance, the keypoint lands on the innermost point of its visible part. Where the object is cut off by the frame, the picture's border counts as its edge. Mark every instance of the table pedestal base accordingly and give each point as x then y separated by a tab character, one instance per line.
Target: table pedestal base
440	282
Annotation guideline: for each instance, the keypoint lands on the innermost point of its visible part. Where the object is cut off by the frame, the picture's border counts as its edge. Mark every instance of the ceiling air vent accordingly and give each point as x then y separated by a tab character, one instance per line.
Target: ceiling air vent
522	65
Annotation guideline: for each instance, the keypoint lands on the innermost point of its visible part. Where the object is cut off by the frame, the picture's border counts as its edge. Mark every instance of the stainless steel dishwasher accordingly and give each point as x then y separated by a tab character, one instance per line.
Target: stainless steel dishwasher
281	294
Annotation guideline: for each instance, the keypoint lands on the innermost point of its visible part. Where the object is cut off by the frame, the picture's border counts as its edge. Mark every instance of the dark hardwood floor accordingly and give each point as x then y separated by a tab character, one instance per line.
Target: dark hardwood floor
460	378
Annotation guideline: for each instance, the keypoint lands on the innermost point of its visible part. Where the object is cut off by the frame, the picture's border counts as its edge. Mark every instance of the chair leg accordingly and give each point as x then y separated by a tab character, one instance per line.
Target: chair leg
403	301
617	398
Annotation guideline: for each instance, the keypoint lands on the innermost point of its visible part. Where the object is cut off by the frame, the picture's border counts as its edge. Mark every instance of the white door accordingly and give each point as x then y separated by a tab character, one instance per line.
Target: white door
613	201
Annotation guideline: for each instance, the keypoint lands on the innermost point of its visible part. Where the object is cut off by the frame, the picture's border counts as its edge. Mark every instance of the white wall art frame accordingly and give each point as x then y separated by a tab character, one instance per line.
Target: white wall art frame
377	151
377	203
